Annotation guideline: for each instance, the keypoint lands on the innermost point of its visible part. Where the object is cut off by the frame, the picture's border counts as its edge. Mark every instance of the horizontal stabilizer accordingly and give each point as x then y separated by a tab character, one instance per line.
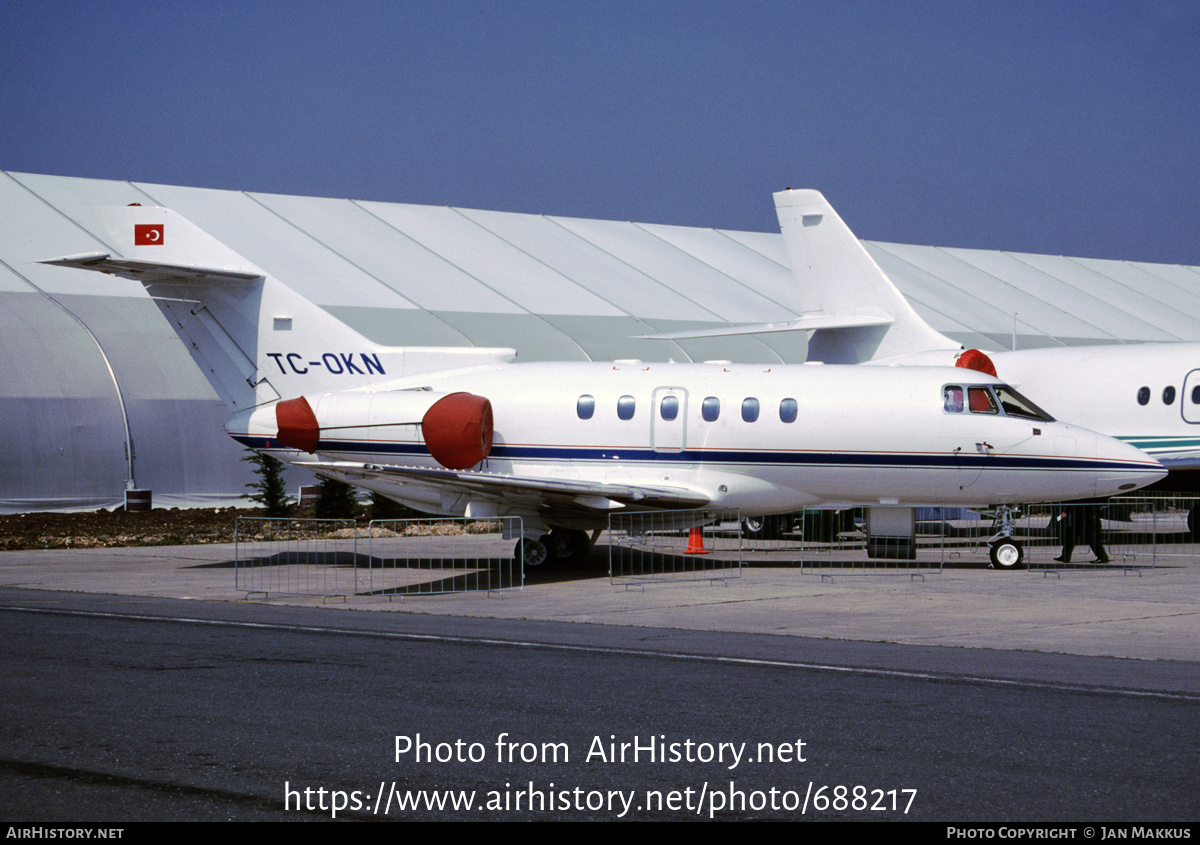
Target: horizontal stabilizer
151	272
801	324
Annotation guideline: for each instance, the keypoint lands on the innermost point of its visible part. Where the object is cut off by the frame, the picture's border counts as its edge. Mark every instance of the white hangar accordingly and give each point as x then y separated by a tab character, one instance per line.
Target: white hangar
90	366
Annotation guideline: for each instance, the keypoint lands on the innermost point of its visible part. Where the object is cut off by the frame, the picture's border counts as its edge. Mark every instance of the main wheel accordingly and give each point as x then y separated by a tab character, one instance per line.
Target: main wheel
568	546
1007	555
765	527
532	553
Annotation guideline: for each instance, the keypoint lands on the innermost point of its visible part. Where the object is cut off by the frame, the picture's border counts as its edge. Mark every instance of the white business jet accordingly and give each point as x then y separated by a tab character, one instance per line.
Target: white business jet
466	431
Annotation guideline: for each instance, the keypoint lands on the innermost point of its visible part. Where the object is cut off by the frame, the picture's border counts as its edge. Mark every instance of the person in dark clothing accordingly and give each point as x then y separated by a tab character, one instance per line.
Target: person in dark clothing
1080	524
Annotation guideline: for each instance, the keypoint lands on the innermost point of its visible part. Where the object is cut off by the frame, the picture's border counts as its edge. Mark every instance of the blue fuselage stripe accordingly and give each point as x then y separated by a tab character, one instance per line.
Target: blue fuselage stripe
727	457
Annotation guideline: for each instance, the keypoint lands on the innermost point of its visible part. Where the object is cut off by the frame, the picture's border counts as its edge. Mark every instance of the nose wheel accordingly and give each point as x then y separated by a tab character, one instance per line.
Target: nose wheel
1007	554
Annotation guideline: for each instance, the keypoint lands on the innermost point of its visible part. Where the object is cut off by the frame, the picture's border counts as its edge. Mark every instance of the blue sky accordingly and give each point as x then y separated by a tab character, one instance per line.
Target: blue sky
1055	127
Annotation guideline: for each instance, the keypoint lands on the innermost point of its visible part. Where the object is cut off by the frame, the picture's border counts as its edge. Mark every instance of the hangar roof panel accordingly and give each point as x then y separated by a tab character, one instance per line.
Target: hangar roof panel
1129	304
998	293
32	230
471	248
387	255
1104	319
1173	286
674	272
734	259
278	246
588	267
930	295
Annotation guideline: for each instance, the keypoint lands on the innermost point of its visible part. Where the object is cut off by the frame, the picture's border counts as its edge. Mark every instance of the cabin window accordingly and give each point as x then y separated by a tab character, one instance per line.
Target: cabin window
953	397
1168	395
710	408
1144	396
669	407
626	407
981	401
787	410
750	410
585	407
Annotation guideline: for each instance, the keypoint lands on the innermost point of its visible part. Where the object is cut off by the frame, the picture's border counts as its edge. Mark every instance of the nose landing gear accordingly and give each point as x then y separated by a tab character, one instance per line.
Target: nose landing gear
1006	553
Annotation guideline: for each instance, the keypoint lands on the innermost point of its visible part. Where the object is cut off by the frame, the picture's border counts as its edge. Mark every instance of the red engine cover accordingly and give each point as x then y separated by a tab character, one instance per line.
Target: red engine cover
458	430
297	423
973	359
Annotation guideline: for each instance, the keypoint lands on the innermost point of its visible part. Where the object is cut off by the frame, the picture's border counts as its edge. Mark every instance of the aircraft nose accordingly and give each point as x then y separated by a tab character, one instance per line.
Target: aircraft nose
1123	468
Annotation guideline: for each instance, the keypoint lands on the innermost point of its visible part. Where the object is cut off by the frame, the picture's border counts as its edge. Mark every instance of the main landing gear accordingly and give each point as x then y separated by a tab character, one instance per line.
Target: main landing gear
1005	553
560	547
770	527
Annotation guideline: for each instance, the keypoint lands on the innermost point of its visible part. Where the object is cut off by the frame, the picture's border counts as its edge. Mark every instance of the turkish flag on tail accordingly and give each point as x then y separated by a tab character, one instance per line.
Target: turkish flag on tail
147	234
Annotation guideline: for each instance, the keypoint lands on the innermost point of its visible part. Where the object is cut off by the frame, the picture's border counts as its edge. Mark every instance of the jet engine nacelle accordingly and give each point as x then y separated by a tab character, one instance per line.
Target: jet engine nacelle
456	427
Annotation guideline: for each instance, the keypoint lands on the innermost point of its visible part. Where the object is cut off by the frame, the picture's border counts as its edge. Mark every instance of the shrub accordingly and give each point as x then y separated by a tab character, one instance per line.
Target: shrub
384	508
338	500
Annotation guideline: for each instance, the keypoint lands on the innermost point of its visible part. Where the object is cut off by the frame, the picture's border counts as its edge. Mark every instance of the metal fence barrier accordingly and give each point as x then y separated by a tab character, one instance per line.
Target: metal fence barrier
308	557
316	557
1172	520
410	557
691	545
1125	533
1133	532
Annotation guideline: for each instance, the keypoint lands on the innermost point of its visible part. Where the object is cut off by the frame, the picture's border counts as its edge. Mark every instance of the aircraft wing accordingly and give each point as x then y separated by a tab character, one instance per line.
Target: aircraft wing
556	493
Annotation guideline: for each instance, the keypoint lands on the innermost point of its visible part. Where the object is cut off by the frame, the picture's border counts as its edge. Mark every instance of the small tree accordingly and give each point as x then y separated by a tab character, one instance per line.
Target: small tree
337	500
272	492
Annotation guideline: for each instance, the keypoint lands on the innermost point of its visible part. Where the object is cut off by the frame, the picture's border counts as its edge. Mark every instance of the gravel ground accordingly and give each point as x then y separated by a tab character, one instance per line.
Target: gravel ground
106	529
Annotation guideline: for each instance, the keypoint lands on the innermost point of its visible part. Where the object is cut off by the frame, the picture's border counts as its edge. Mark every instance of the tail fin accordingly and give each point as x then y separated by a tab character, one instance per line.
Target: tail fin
256	339
838	282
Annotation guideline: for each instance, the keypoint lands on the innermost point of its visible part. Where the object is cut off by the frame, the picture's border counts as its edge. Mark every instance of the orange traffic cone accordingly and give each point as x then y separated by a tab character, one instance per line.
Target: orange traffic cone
695	544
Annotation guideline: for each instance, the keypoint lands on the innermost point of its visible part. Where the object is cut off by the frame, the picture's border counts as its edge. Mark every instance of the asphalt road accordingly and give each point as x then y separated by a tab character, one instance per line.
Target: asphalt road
124	709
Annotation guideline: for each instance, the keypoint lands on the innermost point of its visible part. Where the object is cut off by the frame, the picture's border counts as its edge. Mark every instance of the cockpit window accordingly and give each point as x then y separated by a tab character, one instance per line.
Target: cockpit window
980	401
954	398
1016	405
